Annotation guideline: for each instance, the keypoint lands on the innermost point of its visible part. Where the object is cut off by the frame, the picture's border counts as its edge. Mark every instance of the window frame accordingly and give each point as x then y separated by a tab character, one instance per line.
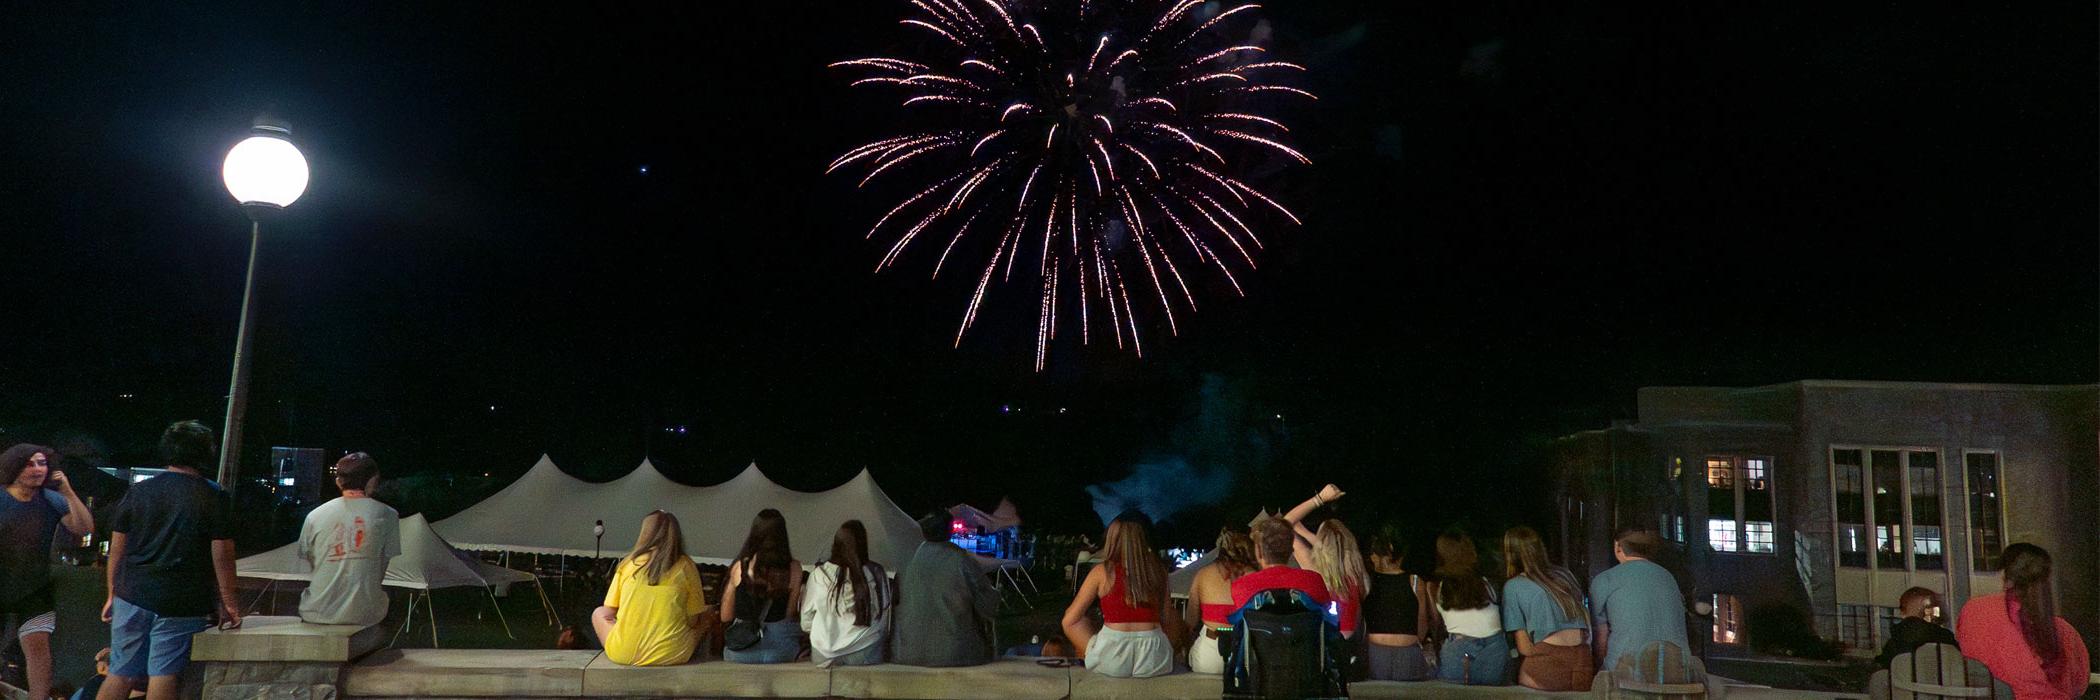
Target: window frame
1904	496
1728	619
1739	481
1968	519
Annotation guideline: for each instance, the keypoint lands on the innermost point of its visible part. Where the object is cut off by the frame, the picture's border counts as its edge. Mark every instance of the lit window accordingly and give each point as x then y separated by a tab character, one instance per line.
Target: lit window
1759	537
1925	549
1739	491
1721	534
1754	477
1728	619
1720	473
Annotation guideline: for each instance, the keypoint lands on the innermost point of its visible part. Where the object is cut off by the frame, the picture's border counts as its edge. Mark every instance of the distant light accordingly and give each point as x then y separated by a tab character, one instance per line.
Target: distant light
1008	408
1060	409
265	169
1279	416
644	169
287	481
127	396
138	478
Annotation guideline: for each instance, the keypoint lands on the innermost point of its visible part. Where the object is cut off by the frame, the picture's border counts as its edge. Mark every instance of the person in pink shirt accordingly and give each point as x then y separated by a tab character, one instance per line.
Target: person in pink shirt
2017	635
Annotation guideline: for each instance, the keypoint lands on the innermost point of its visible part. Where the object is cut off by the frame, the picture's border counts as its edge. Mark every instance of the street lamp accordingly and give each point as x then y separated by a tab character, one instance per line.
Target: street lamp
265	173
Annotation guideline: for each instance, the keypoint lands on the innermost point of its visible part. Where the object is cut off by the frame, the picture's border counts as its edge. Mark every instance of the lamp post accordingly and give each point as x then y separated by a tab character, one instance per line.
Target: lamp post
265	173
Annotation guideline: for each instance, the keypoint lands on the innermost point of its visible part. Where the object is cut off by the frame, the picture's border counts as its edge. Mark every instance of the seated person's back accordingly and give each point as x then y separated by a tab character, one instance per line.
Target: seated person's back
944	603
349	541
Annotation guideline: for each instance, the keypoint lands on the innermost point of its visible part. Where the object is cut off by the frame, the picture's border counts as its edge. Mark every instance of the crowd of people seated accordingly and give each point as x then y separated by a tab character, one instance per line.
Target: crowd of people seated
171	575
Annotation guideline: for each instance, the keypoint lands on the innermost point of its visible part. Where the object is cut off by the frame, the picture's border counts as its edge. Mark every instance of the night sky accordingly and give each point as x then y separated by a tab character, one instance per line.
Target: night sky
1518	215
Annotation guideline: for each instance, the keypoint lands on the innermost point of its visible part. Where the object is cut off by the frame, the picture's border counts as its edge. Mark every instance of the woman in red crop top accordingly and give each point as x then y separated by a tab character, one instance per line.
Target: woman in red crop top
1210	599
1131	587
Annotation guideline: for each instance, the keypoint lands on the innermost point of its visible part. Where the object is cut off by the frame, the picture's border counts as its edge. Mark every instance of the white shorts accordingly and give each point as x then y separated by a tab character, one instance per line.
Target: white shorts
1204	656
1130	654
44	623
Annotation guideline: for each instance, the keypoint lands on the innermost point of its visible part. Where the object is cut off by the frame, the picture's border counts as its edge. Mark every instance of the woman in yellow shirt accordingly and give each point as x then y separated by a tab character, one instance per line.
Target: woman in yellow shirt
654	611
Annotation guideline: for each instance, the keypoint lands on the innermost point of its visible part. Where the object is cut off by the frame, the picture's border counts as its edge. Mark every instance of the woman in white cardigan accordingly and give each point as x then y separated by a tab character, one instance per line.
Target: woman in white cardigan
846	605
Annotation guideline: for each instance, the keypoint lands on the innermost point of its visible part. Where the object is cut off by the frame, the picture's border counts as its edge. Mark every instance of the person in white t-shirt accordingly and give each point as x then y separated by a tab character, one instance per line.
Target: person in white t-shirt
846	604
349	540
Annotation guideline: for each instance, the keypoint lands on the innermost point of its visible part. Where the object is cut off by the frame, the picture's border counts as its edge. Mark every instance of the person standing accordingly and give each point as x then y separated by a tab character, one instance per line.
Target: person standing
1476	653
846	609
170	568
1542	604
1210	599
40	501
348	541
1920	625
654	610
1636	602
2017	635
945	604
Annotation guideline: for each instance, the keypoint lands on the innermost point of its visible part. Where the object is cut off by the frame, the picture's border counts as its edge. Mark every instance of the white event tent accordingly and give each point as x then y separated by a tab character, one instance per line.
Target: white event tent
546	511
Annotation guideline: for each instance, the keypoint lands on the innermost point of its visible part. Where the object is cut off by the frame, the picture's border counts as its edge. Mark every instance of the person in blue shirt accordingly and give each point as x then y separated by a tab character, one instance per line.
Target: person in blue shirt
1636	602
1542	605
39	501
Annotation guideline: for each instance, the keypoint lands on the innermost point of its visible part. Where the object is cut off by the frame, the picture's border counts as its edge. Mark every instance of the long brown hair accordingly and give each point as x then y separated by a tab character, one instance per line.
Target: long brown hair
1524	554
1129	551
765	556
849	552
1339	561
1235	553
660	547
2028	574
1459	584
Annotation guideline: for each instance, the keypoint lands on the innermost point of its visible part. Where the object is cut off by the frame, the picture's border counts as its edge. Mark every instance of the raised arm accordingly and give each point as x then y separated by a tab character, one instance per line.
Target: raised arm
78	519
728	607
1301	548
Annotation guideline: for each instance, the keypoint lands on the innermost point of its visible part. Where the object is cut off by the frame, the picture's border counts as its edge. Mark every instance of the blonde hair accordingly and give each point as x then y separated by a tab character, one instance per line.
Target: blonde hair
1340	563
1235	554
660	547
1128	551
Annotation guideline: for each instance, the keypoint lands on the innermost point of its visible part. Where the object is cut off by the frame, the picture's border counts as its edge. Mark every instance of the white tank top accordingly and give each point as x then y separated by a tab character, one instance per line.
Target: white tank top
1479	623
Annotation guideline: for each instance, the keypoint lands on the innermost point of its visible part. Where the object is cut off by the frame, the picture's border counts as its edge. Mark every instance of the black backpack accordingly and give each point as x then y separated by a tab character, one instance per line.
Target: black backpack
1283	645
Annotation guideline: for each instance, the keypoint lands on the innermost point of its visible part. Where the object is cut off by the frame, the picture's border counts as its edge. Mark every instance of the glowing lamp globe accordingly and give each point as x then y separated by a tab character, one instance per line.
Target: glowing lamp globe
265	170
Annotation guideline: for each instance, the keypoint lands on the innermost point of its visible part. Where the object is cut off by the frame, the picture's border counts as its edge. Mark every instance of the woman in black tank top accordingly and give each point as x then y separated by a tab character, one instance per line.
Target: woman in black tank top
1394	613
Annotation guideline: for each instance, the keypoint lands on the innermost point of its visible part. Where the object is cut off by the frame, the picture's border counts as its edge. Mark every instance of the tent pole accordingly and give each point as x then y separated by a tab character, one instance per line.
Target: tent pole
499	612
407	621
430	609
553	619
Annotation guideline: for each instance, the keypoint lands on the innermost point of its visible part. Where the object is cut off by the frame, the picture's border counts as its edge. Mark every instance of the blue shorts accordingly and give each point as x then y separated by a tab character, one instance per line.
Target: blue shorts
143	644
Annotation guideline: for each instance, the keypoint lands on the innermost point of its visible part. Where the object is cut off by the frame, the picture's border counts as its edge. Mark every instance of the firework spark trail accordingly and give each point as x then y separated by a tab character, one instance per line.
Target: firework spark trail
1145	79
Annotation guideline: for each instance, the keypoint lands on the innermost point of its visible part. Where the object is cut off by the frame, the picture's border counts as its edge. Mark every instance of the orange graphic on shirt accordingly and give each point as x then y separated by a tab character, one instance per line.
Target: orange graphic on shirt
346	543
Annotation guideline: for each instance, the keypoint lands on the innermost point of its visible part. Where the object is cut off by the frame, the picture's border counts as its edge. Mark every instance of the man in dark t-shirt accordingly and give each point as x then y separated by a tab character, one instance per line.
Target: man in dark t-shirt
38	503
170	568
1919	626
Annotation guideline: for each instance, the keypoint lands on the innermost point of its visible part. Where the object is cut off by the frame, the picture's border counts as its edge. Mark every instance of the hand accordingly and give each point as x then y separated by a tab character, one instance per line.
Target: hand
229	614
109	609
57	482
1330	493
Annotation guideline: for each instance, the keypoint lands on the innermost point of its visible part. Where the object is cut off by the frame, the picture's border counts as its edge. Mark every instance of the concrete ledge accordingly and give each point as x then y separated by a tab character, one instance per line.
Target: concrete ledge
433	673
794	679
1088	685
1005	679
1378	690
281	638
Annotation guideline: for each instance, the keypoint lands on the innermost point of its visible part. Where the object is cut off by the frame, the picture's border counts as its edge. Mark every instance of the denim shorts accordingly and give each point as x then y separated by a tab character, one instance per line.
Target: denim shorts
143	644
781	643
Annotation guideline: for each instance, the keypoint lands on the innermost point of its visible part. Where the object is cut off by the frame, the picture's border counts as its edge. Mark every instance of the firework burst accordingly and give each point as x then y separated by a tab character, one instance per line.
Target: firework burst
1093	145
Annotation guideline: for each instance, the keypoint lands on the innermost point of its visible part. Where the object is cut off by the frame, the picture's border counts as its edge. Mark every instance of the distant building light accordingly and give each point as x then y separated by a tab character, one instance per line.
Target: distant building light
127	396
287	481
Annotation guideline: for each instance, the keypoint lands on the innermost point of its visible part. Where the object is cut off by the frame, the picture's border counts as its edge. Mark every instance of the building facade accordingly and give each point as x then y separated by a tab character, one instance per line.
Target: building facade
1818	502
